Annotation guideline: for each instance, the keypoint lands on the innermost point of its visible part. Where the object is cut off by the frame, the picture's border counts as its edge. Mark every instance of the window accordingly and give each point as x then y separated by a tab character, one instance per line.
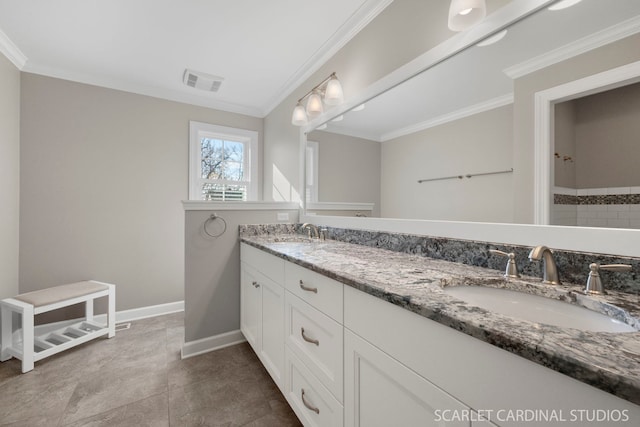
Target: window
311	168
222	163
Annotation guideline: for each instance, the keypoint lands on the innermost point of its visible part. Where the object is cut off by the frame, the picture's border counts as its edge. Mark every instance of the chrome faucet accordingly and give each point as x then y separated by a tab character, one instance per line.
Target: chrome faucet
308	226
550	268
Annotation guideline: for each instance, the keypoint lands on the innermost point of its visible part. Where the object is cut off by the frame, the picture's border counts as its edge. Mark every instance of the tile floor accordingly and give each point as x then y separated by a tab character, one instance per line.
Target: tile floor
137	379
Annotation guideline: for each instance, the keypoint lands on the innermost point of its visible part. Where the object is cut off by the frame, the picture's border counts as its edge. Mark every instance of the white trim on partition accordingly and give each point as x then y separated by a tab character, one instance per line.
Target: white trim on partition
11	51
202	205
543	140
216	342
480	107
601	38
340	206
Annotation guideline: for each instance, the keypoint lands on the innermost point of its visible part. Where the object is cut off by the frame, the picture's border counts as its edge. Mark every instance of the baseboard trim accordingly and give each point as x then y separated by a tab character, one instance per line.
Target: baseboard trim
216	342
121	316
150	311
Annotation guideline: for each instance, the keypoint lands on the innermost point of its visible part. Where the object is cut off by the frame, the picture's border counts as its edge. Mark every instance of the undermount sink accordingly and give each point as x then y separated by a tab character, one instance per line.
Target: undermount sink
537	309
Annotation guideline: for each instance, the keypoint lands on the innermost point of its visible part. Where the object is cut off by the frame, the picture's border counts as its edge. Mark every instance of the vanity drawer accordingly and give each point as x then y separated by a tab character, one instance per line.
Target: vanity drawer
321	292
267	264
311	401
317	340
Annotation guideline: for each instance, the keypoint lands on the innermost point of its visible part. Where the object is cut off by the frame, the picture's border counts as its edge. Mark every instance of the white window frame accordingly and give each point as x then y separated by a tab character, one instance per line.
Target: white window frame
311	171
199	130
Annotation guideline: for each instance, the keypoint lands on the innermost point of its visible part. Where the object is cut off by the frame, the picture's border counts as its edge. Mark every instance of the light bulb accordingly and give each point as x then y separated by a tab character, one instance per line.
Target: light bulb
314	105
299	117
333	94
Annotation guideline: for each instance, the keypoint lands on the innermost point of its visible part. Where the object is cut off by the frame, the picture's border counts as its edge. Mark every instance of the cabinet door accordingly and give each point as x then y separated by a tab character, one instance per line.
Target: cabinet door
272	329
380	391
250	306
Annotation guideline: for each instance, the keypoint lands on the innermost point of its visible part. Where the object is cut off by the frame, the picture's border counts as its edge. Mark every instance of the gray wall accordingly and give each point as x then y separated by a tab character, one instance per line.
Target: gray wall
212	271
9	176
103	173
608	138
565	144
346	159
475	144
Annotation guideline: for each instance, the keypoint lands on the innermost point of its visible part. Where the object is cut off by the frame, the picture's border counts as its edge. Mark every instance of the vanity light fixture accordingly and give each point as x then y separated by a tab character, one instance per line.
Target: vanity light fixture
465	13
328	92
563	4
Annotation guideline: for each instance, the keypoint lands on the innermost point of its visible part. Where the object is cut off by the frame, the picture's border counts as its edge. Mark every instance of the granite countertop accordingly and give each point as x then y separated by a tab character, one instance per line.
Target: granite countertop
608	361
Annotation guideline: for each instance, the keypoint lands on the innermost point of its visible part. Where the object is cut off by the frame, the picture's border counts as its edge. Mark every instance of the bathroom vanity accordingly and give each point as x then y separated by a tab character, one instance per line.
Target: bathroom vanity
361	336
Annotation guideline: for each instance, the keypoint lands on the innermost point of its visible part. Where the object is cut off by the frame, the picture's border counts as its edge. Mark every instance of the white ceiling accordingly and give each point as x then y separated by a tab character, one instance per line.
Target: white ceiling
263	49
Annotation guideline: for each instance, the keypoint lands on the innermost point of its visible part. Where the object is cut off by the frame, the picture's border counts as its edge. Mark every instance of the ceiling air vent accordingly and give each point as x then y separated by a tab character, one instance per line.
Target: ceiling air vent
201	81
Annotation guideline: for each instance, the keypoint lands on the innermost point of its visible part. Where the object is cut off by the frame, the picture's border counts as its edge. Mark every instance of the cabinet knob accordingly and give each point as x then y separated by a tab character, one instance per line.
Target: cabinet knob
256	284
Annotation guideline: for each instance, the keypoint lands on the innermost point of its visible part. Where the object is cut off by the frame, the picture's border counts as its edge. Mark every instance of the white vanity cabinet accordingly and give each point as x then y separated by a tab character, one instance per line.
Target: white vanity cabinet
344	357
262	308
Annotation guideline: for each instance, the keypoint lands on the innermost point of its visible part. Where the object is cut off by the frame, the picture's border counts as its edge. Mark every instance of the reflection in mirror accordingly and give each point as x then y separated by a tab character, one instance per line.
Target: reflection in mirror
457	119
596	174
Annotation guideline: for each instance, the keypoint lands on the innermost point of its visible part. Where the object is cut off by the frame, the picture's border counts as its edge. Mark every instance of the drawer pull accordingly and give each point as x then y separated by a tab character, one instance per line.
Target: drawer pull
316	410
256	284
307	339
308	289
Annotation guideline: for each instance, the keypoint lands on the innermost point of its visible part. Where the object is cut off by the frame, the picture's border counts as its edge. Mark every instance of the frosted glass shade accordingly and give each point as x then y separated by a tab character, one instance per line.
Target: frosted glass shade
299	117
333	93
465	13
314	105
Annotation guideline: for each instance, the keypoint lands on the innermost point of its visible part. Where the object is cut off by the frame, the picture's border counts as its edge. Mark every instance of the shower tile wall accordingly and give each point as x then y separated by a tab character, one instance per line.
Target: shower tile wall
597	207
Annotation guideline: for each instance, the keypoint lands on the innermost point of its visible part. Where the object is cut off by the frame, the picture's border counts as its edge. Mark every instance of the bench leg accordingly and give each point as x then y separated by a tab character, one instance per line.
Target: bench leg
111	311
7	332
88	310
27	339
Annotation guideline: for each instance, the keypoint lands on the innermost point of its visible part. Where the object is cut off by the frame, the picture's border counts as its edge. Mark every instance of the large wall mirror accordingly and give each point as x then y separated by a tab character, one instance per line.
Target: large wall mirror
440	146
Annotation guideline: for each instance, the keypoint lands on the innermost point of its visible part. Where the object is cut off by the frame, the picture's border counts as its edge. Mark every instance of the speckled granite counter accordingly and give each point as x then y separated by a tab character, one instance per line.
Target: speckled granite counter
608	361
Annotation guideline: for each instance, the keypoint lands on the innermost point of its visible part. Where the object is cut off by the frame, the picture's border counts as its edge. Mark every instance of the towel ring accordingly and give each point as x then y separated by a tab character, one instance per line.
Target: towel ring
211	218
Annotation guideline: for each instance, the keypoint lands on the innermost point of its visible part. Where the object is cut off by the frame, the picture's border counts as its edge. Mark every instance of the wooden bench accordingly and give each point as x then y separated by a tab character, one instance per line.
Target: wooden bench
30	348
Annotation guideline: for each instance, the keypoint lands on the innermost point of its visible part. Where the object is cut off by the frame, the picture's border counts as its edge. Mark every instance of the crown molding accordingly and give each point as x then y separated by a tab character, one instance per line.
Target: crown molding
601	38
450	117
11	51
363	16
